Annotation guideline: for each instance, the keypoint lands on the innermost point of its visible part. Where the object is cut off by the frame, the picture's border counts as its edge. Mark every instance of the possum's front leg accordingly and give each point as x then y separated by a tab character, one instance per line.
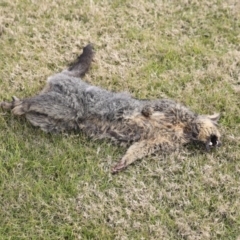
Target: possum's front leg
139	150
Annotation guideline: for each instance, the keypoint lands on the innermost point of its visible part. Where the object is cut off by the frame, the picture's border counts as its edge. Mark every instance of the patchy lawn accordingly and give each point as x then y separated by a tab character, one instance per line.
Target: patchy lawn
60	186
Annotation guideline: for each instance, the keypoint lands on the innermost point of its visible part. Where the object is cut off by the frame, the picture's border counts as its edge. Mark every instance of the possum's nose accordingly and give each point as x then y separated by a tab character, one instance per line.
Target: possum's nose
213	142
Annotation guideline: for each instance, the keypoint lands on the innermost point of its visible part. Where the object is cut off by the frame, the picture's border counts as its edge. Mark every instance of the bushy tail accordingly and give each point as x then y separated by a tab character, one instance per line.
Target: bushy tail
76	69
81	65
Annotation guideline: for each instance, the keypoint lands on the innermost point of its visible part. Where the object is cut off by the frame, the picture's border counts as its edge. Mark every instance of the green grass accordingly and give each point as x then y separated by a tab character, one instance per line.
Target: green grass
60	186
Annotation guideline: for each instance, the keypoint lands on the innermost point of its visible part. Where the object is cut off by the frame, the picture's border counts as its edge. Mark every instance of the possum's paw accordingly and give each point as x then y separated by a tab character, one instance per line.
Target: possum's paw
10	105
6	105
121	165
147	111
118	167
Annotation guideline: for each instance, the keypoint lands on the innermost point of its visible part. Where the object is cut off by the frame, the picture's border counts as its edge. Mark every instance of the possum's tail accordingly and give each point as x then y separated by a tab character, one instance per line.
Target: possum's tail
81	65
76	69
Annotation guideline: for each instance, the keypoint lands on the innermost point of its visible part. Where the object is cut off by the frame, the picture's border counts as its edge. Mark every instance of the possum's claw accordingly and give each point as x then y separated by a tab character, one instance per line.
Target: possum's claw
10	105
6	105
118	167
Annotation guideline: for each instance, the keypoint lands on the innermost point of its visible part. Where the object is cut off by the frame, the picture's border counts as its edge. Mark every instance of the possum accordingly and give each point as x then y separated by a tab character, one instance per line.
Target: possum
145	127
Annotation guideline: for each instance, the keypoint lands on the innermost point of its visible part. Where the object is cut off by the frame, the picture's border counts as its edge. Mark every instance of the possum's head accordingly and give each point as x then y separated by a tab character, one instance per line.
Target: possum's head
205	130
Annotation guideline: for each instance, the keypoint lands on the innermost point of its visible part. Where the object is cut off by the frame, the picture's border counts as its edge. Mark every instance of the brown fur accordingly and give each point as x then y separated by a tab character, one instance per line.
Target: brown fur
147	127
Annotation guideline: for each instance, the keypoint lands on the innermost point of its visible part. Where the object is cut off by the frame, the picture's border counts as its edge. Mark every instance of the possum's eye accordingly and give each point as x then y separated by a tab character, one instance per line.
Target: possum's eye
194	135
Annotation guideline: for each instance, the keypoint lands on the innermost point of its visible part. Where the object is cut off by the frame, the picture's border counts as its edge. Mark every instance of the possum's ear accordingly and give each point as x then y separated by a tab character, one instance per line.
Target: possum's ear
215	117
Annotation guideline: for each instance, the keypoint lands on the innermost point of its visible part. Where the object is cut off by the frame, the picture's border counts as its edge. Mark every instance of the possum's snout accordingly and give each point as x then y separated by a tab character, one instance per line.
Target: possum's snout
213	142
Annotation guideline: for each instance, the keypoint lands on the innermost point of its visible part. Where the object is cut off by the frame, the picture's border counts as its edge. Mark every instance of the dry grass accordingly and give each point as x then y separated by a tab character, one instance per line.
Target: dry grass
60	187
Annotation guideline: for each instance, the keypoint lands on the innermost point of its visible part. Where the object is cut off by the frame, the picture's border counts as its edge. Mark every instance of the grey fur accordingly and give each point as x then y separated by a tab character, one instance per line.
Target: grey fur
147	126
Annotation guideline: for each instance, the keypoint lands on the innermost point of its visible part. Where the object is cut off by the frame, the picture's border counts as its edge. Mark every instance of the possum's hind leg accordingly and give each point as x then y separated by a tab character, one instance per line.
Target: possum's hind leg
50	125
59	106
10	105
51	111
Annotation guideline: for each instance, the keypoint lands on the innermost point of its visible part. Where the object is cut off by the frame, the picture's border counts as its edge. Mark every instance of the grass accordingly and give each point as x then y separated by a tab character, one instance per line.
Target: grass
60	186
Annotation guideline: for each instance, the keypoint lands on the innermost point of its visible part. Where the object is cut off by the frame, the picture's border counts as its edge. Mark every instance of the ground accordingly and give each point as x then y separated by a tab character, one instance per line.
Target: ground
60	186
